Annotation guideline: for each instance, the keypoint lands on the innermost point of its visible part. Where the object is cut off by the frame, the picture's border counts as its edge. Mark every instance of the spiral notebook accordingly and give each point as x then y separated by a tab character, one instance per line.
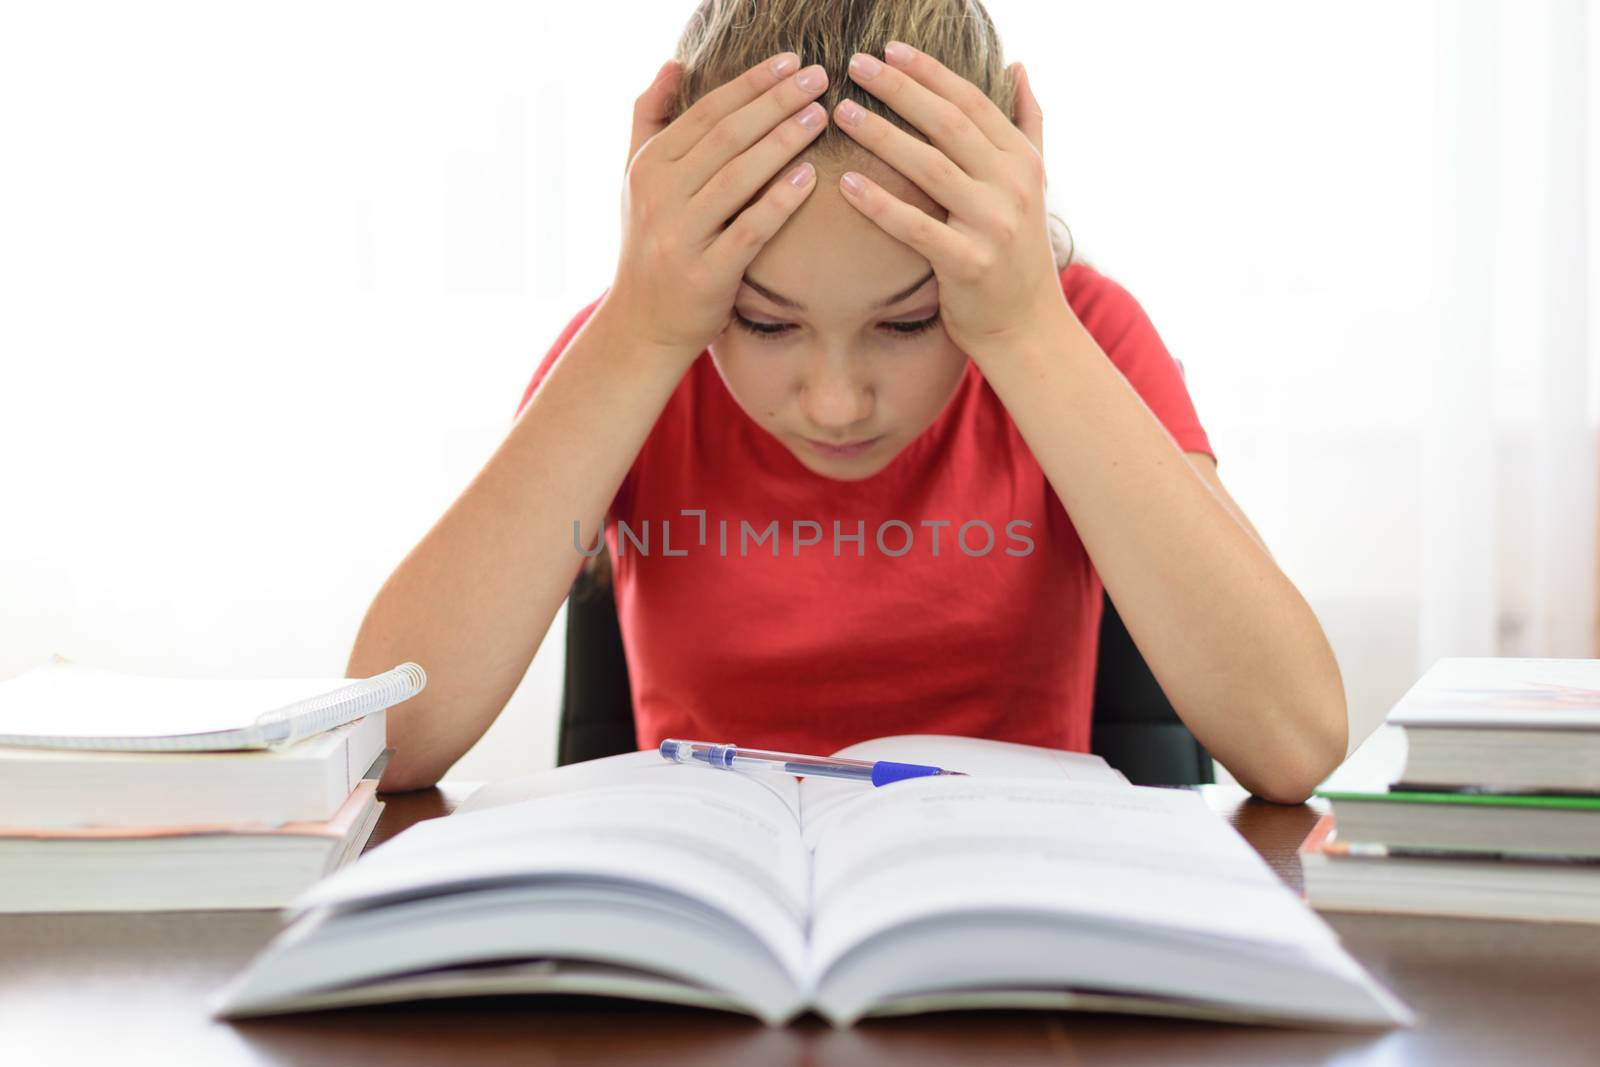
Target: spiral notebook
65	704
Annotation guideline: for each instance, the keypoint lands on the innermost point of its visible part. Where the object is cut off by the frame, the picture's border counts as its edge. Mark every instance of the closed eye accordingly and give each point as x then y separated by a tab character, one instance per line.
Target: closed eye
917	325
776	329
762	328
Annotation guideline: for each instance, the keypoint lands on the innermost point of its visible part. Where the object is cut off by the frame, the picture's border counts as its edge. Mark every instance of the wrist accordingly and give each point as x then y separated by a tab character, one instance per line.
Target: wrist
1050	322
628	334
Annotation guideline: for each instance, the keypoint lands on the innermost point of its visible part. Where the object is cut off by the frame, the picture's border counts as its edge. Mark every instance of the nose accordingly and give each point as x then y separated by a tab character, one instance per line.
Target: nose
836	396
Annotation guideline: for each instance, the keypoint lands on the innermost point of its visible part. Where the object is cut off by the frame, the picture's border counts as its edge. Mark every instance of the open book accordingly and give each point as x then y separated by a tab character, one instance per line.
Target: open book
1042	880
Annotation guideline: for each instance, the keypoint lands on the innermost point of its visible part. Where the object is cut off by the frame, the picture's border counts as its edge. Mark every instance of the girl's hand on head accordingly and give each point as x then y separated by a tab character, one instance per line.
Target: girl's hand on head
689	229
992	256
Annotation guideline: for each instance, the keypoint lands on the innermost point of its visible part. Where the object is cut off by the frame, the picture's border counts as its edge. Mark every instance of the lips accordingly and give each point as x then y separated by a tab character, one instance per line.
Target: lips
853	448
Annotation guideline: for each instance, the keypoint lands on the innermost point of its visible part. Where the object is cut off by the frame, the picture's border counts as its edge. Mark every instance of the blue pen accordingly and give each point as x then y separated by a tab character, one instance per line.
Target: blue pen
732	757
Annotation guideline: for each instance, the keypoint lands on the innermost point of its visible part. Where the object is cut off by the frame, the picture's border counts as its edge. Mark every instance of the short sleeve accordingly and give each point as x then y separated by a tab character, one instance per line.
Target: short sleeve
624	496
562	341
1122	329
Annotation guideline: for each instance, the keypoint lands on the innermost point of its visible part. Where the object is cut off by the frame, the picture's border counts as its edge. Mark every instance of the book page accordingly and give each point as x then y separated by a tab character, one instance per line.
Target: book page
719	839
646	767
1155	858
821	799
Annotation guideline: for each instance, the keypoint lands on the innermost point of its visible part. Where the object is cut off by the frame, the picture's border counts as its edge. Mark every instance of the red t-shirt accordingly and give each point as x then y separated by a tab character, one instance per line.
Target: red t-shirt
913	628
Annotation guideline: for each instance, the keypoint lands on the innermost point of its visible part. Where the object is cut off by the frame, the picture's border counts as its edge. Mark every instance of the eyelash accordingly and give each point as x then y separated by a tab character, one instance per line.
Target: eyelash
771	330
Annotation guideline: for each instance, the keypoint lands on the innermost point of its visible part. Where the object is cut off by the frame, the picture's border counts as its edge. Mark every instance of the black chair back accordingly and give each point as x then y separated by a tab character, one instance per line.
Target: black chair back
1135	727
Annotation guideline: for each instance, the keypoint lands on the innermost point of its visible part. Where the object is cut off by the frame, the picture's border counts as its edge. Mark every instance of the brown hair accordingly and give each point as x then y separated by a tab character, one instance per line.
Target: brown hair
725	38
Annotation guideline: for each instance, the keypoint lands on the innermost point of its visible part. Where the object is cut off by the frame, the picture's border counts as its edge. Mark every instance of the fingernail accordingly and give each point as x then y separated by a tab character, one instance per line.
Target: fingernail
800	175
812	79
851	183
850	112
864	66
898	53
785	65
811	116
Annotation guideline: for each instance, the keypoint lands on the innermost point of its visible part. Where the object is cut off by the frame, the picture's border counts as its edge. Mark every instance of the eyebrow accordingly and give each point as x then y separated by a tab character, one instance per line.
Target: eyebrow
784	301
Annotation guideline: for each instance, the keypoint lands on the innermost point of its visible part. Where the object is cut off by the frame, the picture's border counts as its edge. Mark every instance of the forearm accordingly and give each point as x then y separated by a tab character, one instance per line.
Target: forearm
1234	645
473	600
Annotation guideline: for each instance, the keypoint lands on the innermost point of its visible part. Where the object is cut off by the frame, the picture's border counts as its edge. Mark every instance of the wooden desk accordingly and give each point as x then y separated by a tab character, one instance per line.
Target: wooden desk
125	989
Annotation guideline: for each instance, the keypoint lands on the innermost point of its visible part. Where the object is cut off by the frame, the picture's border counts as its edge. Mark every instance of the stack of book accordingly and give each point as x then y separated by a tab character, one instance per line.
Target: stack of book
1497	811
125	792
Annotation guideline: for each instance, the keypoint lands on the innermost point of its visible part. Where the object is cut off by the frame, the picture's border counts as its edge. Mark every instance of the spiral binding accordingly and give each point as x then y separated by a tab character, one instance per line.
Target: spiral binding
287	725
274	729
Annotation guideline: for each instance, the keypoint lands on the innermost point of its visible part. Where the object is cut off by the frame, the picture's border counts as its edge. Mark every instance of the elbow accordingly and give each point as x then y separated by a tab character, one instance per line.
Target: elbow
408	771
1301	762
1284	789
403	777
418	758
1310	739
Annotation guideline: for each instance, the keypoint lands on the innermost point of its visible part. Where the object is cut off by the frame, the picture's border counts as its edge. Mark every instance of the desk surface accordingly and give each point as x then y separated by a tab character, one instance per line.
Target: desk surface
128	988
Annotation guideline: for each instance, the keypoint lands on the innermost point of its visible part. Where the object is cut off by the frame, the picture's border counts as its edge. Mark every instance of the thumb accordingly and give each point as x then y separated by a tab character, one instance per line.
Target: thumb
649	111
1027	114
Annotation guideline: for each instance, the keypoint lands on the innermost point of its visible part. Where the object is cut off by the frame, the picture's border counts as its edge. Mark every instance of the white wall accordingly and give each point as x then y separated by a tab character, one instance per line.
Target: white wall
274	278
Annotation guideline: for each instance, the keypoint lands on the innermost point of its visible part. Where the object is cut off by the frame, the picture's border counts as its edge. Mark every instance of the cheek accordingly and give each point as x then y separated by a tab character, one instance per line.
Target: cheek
934	389
756	388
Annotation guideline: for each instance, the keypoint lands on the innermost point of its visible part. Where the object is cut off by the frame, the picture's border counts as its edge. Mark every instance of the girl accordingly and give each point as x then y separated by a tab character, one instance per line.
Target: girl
888	437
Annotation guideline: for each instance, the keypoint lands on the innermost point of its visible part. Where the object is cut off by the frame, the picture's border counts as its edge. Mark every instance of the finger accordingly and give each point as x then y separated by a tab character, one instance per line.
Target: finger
720	149
725	99
1027	113
935	241
650	110
944	121
973	101
928	167
739	244
722	193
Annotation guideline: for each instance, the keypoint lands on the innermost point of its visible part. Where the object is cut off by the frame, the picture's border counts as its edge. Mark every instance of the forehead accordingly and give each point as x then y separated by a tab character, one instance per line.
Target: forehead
828	255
